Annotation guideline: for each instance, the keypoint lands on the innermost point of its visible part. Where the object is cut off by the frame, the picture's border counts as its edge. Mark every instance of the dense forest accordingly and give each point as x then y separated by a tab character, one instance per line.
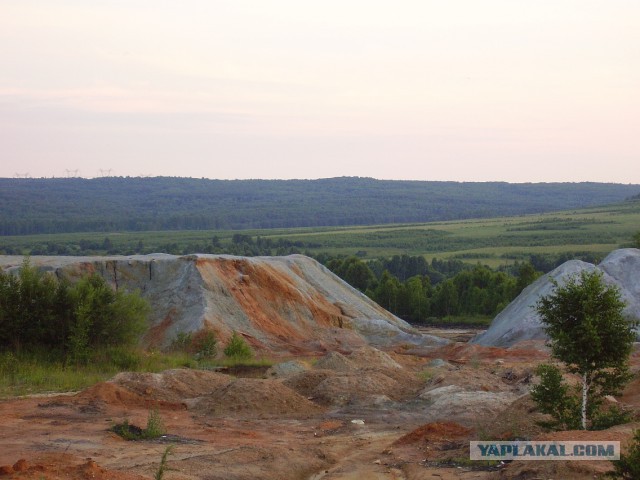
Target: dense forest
63	205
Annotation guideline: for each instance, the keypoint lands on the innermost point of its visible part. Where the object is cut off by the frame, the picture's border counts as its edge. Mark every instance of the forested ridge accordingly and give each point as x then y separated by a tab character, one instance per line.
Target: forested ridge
62	205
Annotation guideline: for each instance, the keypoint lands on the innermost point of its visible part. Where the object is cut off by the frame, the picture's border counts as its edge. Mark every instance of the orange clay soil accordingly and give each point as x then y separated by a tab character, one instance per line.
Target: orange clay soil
233	428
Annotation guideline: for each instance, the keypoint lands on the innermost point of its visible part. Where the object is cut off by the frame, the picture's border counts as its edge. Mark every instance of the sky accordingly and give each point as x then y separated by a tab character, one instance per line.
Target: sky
466	90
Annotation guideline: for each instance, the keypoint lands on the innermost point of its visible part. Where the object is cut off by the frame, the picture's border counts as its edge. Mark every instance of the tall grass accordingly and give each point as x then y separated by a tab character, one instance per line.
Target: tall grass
34	373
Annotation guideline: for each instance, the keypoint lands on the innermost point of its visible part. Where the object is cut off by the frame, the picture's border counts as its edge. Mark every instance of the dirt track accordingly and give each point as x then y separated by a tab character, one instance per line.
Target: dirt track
296	427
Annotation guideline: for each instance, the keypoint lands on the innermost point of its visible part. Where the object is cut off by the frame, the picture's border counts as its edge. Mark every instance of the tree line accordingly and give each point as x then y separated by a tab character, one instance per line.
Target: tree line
65	205
418	291
67	321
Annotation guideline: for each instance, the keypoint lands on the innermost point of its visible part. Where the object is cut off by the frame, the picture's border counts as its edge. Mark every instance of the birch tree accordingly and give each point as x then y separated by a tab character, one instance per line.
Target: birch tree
589	334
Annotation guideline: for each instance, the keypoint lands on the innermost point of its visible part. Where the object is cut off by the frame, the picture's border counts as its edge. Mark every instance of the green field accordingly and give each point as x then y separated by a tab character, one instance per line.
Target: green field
493	242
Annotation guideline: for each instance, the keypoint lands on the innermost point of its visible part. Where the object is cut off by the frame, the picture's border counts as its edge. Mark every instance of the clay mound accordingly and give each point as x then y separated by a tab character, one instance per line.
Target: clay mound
112	394
252	397
435	432
463	353
336	362
63	466
172	385
372	357
452	402
289	304
306	382
519	421
341	390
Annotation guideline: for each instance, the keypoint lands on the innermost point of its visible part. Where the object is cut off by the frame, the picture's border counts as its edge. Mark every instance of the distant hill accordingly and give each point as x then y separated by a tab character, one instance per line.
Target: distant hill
60	205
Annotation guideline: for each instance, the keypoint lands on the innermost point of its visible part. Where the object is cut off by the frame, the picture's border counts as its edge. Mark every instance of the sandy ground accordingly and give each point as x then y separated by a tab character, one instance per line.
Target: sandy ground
369	415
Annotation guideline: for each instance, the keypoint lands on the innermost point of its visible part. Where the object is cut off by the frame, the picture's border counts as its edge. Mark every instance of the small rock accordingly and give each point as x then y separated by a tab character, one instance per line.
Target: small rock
357	422
377	462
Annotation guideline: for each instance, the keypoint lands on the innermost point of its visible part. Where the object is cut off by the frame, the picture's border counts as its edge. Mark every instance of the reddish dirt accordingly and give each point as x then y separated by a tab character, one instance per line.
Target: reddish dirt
435	432
240	428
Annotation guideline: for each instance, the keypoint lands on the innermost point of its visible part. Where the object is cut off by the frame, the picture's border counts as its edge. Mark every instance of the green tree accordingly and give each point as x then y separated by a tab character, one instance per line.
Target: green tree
353	271
527	274
37	310
418	290
237	348
114	317
445	299
388	291
34	309
589	334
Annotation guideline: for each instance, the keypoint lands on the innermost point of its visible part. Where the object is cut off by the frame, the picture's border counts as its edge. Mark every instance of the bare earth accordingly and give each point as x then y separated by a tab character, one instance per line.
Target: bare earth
367	415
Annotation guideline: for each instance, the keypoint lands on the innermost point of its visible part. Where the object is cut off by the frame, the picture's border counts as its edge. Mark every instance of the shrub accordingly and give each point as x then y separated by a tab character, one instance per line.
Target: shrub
205	345
628	467
181	342
238	349
552	395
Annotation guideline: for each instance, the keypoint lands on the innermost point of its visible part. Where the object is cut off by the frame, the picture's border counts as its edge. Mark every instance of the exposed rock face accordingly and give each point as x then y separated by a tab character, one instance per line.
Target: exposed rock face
519	321
282	304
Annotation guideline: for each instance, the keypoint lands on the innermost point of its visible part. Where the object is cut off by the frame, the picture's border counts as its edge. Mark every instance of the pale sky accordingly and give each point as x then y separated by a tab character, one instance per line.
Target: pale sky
469	90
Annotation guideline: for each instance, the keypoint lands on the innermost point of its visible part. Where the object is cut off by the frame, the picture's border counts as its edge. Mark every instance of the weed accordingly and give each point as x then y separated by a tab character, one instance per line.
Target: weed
426	375
155	428
205	345
155	425
163	463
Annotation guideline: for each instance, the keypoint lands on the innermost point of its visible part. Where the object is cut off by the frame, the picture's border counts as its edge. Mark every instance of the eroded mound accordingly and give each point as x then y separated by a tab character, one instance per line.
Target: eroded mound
340	390
306	382
175	385
335	361
372	357
434	432
62	466
367	376
250	397
113	394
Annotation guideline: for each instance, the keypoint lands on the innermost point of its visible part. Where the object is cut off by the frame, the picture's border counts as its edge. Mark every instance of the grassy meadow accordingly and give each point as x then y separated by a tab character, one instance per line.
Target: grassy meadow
494	242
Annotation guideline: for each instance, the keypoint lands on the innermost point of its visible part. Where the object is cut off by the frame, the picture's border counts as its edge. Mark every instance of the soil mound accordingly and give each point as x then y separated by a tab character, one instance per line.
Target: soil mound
250	397
112	394
453	402
464	353
62	466
306	382
340	390
435	432
372	357
335	361
518	421
173	386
